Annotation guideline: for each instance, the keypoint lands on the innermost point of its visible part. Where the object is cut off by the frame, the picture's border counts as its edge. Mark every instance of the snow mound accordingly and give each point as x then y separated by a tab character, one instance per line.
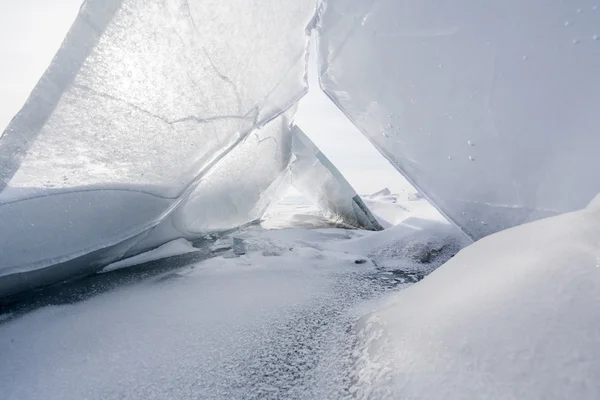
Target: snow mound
514	316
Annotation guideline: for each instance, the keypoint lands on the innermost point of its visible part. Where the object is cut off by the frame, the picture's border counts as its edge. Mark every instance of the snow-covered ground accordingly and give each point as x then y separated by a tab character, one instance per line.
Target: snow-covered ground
282	311
268	315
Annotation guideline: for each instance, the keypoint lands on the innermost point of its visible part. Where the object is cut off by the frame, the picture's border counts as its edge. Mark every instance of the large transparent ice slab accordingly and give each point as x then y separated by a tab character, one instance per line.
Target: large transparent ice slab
55	237
144	103
147	92
491	109
313	175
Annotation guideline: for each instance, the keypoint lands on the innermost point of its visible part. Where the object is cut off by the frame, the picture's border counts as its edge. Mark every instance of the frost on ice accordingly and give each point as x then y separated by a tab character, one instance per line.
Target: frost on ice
491	110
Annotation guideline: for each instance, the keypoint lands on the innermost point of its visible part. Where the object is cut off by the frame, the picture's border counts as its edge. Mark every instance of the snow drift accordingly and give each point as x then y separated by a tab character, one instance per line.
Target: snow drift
513	316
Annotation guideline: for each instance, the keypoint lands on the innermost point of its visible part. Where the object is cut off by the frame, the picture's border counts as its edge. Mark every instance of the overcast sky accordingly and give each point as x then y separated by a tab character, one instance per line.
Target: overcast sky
32	30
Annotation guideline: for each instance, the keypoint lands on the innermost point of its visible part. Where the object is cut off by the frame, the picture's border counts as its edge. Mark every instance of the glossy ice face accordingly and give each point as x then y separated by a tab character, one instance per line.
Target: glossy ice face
144	102
492	109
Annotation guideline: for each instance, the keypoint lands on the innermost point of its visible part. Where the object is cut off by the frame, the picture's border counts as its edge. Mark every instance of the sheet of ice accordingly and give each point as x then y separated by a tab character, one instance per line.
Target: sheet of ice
173	248
514	316
273	323
491	110
142	105
239	189
313	175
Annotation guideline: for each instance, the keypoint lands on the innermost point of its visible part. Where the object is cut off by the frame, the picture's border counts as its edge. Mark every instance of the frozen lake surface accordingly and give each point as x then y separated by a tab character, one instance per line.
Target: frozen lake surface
262	313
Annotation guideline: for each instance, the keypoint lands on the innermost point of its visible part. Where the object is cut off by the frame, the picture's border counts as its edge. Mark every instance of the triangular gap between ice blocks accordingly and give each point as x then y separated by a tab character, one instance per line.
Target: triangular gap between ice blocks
342	143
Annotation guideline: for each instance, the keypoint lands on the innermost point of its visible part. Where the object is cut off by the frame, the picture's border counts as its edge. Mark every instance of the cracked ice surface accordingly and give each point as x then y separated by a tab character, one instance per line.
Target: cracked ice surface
499	101
143	90
144	104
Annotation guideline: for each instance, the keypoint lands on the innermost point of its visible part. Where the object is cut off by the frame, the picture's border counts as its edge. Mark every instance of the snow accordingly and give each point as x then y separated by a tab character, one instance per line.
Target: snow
513	316
274	322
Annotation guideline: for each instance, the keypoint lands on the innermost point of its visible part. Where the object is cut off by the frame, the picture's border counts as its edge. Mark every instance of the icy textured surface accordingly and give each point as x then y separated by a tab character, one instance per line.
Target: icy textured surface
64	225
314	176
491	110
514	316
146	105
241	186
274	323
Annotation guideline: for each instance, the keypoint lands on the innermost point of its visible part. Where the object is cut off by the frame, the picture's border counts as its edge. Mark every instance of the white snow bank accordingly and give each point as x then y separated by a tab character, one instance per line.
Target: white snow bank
514	316
173	248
